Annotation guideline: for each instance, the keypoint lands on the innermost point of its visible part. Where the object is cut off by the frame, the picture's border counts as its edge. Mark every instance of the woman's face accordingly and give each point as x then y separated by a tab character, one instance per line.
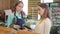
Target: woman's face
19	7
41	10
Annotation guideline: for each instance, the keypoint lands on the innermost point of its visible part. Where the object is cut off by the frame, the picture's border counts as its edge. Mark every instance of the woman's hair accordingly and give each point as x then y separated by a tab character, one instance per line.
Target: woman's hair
46	12
16	6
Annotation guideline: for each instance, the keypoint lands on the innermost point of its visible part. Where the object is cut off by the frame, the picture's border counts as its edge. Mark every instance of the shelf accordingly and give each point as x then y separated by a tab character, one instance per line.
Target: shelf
55	13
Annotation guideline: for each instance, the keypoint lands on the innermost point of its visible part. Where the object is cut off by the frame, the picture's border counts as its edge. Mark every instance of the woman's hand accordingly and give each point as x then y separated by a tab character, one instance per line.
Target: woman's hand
16	26
31	30
13	31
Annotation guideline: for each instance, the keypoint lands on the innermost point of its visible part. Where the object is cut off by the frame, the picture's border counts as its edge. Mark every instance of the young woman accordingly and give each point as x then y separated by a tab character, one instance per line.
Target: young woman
43	26
17	16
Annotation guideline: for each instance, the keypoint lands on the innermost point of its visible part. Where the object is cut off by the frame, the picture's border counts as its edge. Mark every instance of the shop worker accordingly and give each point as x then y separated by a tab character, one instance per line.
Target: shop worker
17	16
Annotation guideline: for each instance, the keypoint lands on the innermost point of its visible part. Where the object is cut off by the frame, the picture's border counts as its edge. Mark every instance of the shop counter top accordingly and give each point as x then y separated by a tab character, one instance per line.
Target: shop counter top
25	32
6	30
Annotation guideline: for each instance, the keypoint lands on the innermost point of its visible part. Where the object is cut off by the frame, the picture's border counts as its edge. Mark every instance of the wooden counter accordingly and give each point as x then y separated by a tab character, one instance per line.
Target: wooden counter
5	30
25	32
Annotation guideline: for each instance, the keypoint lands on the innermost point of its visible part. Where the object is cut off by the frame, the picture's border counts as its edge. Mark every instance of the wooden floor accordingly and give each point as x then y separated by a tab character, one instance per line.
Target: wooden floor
5	30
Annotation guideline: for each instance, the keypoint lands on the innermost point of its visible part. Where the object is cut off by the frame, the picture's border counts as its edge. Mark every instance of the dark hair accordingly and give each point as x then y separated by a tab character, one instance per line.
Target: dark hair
16	6
46	12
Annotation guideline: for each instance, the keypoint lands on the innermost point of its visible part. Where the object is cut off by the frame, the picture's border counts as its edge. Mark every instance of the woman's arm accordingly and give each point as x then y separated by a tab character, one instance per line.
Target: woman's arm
9	20
47	26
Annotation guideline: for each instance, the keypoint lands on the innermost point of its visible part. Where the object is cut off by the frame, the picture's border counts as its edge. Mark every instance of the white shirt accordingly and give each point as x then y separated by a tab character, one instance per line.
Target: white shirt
44	27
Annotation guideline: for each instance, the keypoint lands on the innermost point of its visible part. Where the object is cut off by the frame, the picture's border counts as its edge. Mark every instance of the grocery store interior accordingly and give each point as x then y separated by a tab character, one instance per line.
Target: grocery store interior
30	18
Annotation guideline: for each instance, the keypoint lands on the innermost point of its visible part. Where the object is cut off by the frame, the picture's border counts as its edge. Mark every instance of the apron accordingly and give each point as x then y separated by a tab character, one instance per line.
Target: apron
20	22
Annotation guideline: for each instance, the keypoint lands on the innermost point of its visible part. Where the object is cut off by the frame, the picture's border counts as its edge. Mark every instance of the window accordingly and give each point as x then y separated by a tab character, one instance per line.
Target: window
25	8
46	1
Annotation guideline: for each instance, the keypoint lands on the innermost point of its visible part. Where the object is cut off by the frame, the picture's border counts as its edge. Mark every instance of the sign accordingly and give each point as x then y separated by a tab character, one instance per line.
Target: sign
46	1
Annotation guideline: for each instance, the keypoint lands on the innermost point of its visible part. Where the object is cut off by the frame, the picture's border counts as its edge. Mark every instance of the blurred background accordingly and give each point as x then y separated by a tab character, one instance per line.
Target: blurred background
30	9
